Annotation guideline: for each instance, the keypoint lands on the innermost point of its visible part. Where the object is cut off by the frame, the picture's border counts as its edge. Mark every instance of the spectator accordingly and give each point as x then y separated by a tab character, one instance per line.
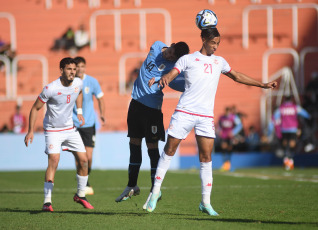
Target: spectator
229	126
18	121
4	129
239	142
81	38
253	139
5	49
133	76
287	114
65	42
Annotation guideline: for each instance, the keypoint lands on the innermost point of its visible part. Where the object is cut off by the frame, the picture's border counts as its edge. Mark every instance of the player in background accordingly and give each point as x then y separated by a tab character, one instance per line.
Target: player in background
202	71
286	117
145	119
60	97
87	131
229	125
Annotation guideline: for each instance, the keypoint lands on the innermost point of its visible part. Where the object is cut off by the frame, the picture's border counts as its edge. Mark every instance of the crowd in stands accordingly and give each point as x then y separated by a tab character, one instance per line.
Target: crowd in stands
72	41
5	50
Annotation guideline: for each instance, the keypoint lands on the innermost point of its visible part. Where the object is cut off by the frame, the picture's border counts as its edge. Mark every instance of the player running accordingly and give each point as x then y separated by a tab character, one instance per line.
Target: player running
60	97
202	71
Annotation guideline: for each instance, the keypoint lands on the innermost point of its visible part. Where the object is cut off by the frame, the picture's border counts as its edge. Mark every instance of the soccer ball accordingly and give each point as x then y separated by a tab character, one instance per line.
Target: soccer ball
206	19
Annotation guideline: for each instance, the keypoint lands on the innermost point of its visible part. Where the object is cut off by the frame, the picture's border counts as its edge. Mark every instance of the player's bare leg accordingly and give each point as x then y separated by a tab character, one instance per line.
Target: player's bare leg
53	161
163	166
82	177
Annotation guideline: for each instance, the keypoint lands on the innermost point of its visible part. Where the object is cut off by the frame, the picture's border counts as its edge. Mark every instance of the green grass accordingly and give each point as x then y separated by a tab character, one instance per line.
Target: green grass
264	198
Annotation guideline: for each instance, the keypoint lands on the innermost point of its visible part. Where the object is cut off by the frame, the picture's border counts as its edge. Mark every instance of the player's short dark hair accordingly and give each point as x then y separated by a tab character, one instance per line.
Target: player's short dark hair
180	49
66	61
210	33
79	59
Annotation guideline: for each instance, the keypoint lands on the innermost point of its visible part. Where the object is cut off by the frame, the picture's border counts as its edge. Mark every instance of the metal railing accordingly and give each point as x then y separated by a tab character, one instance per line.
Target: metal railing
122	69
20	57
13	36
302	55
269	9
6	62
117	25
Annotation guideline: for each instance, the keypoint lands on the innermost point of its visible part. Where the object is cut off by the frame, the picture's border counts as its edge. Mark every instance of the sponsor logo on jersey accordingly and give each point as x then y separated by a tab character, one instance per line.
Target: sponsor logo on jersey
59	93
161	67
197	59
154	129
86	90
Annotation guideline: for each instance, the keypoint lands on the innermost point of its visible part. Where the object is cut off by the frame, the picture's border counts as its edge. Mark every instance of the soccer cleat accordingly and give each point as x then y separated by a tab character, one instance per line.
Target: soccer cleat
83	201
47	207
207	209
153	202
145	205
226	166
89	190
128	193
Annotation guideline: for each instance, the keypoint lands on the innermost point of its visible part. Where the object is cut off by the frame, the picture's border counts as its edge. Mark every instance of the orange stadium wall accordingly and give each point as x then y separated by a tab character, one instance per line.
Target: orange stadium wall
37	26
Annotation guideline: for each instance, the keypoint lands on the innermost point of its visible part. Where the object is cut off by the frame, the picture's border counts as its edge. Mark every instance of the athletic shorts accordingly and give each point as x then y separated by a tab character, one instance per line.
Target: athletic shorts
289	136
145	122
88	135
182	123
68	140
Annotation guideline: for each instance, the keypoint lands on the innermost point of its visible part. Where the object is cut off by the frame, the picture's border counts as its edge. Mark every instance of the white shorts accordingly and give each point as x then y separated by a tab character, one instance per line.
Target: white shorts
69	140
182	123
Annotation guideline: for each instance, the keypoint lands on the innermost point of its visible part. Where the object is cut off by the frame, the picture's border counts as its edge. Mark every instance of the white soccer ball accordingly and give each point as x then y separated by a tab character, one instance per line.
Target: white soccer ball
206	19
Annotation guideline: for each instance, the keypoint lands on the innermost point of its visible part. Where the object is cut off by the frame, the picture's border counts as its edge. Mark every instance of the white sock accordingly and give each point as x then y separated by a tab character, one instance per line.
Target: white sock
81	184
163	166
206	181
48	188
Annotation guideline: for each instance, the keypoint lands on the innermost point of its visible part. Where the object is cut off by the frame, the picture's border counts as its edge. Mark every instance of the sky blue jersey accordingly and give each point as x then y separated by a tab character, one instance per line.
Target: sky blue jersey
90	87
154	66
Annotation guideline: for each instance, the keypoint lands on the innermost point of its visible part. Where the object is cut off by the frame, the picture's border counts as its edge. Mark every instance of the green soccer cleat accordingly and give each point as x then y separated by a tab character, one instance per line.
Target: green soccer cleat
153	202
207	209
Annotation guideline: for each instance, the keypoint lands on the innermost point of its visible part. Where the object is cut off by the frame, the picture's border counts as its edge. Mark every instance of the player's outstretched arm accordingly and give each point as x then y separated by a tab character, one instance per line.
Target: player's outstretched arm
167	78
246	80
32	118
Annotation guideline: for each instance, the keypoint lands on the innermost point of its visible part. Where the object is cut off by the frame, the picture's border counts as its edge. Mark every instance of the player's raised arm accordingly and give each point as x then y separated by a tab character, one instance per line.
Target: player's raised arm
38	104
246	80
79	105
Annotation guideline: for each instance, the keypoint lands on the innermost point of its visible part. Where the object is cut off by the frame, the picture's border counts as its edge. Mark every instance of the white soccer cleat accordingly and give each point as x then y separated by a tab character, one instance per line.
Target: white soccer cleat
152	203
89	190
145	205
128	193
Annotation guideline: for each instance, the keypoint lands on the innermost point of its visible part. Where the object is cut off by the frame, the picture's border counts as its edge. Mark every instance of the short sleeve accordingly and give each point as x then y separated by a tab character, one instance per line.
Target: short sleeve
45	94
226	67
97	89
181	64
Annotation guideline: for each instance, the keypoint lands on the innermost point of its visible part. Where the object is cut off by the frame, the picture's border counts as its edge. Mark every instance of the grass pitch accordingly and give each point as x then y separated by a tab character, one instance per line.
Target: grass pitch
263	198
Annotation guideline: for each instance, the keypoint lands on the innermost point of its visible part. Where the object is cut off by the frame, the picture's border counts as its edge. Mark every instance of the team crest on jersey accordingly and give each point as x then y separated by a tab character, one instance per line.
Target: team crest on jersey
161	67
216	61
154	129
86	90
76	90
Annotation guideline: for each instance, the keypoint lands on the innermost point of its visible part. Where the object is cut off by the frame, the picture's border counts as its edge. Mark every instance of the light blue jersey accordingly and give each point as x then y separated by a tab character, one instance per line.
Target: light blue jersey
90	87
154	66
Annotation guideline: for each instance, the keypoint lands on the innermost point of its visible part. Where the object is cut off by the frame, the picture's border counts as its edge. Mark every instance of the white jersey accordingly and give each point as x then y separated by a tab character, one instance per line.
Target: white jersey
202	74
60	101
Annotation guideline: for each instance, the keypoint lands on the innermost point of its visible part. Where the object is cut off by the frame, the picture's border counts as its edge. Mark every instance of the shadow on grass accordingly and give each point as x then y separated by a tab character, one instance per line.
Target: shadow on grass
32	212
218	219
